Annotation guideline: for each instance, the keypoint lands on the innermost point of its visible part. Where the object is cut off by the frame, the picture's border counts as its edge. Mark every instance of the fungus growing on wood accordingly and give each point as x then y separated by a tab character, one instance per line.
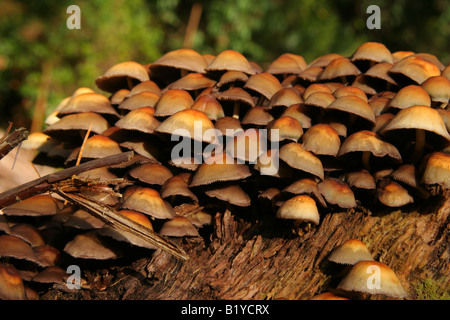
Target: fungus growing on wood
300	159
122	75
90	245
350	252
179	227
337	192
148	201
299	208
11	283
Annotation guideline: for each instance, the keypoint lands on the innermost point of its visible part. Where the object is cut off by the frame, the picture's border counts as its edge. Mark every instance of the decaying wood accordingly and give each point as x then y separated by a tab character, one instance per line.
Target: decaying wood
45	183
10	141
263	259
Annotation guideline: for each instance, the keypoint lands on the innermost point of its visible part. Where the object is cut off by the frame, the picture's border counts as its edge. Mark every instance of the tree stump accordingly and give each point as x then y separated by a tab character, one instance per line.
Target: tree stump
244	258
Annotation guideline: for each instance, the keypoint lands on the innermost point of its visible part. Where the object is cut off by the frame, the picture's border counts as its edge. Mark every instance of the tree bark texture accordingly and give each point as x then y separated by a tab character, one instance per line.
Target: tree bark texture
248	259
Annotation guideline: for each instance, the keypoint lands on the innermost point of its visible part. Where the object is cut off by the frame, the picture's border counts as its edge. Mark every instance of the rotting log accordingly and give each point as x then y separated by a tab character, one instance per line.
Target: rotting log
263	259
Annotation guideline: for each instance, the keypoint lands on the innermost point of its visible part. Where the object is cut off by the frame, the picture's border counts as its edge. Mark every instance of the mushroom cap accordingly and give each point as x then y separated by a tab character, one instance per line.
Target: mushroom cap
88	102
299	158
372	51
189	123
306	186
361	179
321	139
319	99
287	63
365	140
258	116
231	124
337	192
219	167
177	186
138	217
29	233
328	296
78	121
14	247
399	55
148	201
231	60
316	87
119	96
90	245
415	68
412	95
438	87
263	83
287	128
115	77
285	97
236	94
210	106
192	81
172	101
412	118
392	194
296	111
97	146
353	105
381	71
186	59
351	252
437	170
38	205
141	119
246	145
232	77
51	274
340	67
324	60
349	91
359	276
139	100
47	255
406	173
310	74
145	86
11	283
151	173
301	207
231	193
179	227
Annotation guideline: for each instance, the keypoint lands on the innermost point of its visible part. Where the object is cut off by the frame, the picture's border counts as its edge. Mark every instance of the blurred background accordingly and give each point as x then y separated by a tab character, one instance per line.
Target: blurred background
42	61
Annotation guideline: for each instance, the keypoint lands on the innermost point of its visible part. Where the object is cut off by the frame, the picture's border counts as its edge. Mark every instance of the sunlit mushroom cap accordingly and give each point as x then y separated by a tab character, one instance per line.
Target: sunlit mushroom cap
446	72
287	63
145	86
297	112
301	207
392	194
179	227
320	99
310	74
321	139
151	173
97	146
138	217
118	97
438	87
412	95
184	123
192	81
351	252
284	128
257	116
299	158
264	83
372	51
337	192
11	283
350	91
148	201
365	140
399	55
232	194
220	167
78	121
231	60
437	170
353	105
381	71
232	77
210	106
185	59
89	102
38	205
115	78
415	68
90	245
360	275
413	118
172	101
340	67
308	187
324	60
139	100
141	119
316	87
285	98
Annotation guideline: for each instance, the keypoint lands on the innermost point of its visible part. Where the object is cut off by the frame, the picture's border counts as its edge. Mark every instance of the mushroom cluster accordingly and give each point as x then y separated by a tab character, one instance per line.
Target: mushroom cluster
369	129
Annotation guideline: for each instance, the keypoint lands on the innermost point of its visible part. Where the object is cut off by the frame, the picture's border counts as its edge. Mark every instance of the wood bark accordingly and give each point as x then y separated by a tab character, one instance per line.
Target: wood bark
248	258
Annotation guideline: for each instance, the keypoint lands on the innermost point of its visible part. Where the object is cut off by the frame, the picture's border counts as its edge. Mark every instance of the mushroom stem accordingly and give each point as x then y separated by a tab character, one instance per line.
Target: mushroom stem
130	83
419	145
261	100
236	109
365	160
343	79
183	72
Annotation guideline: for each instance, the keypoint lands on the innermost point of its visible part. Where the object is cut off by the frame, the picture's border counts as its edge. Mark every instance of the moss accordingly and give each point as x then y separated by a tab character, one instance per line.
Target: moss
429	289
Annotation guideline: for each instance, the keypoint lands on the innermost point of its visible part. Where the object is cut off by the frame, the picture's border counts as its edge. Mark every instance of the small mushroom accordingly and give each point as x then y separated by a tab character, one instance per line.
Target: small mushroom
172	101
230	60
11	283
38	205
230	193
392	194
299	158
351	252
151	173
299	208
140	119
148	201
140	100
90	245
179	227
437	170
337	192
358	280
122	75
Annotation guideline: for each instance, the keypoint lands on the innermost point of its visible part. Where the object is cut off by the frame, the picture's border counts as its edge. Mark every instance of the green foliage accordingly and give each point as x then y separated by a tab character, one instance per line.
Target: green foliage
34	36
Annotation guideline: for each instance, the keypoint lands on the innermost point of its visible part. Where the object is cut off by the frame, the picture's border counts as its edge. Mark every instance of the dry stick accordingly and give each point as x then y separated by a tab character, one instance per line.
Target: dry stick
11	141
44	184
121	223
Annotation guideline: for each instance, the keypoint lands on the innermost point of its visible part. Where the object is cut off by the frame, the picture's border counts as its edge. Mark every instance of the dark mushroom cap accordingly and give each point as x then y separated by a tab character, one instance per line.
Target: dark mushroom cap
11	283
